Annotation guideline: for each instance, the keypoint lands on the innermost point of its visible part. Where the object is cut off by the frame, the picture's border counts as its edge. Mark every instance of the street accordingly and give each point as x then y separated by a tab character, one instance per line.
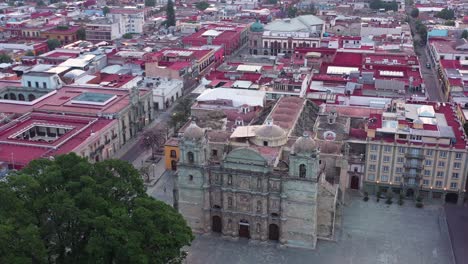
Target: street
163	189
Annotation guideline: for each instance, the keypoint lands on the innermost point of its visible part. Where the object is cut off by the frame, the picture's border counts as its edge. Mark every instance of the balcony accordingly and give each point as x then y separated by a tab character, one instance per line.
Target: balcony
414	165
414	155
416	176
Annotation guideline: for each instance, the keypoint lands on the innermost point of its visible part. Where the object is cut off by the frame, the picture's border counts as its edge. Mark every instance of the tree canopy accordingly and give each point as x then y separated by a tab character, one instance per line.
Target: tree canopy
464	34
68	210
127	36
170	14
415	12
202	5
446	13
53	44
81	34
150	3
5	58
379	4
105	10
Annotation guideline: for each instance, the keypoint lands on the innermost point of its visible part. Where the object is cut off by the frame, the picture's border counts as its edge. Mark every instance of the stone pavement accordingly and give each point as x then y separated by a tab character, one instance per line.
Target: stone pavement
372	233
457	218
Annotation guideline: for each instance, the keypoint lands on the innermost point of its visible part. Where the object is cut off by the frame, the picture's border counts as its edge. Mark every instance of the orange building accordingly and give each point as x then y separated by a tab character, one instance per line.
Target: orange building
171	154
66	34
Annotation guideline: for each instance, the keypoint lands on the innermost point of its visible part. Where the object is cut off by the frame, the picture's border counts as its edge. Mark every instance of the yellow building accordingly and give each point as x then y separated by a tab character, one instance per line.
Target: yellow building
171	154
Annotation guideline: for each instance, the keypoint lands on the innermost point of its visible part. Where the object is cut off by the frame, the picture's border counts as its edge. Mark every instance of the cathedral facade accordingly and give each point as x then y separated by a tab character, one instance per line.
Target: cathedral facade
262	185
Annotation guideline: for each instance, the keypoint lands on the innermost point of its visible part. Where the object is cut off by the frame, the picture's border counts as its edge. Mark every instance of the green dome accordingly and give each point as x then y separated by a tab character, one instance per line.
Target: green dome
256	27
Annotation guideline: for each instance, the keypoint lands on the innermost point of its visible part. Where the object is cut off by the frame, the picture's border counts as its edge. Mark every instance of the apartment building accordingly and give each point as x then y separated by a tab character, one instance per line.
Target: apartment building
104	30
419	149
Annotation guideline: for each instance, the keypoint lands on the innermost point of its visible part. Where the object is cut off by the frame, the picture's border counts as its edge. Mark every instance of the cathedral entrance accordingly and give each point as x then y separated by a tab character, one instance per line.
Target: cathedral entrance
273	232
216	224
355	182
244	229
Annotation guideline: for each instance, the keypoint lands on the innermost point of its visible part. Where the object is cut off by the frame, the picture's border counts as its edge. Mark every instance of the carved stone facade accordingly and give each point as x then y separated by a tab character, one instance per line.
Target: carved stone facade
245	193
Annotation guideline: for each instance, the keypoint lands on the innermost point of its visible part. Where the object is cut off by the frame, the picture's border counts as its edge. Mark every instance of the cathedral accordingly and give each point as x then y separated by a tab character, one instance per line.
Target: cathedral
258	182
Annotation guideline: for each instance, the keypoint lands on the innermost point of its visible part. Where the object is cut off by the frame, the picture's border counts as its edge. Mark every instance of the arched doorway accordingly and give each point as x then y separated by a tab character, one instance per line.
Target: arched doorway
355	182
173	165
409	193
5	96
273	232
31	97
451	198
216	224
21	97
244	229
12	96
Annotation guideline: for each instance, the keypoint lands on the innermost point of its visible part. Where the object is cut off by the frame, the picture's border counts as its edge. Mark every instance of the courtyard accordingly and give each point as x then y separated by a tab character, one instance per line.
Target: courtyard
370	233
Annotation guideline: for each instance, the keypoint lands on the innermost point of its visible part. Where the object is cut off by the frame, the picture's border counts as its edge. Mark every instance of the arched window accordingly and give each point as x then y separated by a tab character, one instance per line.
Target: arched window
259	183
302	171
259	206
190	177
190	157
259	228
229	202
173	154
21	97
229	179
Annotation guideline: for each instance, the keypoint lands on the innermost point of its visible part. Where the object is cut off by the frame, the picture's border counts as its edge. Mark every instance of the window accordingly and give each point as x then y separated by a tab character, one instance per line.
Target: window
400	159
214	153
373	157
429	152
401	149
456	165
440	174
415	137
427	173
37	84
190	157
443	154
372	167
373	147
302	171
190	177
453	185
397	179
386	159
426	182
411	181
265	143
29	83
387	148
441	164
173	154
44	85
384	178
385	168
399	170
458	155
428	162
229	181
259	206
455	175
438	184
229	202
259	183
371	177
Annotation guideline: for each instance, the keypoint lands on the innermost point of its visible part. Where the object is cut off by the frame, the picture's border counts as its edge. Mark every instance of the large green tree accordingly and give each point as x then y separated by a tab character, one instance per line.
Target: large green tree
170	14
81	34
150	3
67	210
464	34
53	44
202	5
415	12
446	13
5	58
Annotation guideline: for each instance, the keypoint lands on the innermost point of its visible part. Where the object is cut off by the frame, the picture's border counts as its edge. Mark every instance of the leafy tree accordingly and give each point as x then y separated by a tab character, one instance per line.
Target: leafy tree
292	12
154	139
40	3
81	34
127	36
53	44
446	13
449	23
70	211
105	10
5	58
415	12
170	14
464	34
379	4
182	112
150	3
465	126
29	53
202	5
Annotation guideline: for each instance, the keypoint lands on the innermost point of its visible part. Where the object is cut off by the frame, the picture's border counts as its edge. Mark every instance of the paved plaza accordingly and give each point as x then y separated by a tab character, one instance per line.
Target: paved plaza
371	233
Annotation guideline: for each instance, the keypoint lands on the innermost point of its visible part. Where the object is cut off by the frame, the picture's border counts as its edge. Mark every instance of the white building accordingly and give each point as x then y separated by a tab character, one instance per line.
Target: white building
41	80
131	19
165	91
104	30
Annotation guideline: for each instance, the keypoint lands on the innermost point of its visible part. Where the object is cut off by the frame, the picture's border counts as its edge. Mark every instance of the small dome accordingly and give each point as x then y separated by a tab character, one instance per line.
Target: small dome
193	132
256	27
270	132
304	144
